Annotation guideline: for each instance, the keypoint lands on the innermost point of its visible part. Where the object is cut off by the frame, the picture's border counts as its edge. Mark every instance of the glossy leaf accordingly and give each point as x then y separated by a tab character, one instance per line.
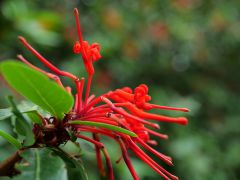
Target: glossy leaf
41	165
11	139
37	87
106	126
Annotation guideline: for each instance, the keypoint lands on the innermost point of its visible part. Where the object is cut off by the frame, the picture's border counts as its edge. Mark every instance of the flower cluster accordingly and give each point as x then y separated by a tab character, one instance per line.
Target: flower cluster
126	108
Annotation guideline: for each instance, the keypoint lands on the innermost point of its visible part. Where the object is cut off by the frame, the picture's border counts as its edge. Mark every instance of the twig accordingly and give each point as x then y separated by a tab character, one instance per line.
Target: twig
7	167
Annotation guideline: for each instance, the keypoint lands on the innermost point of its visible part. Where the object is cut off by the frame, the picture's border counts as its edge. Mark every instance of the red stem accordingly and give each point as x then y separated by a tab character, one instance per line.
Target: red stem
92	103
76	14
162	136
98	156
94	115
170	108
124	113
161	156
96	143
146	115
99	110
76	103
127	160
108	163
90	98
50	75
146	160
94	130
151	162
88	88
79	86
45	61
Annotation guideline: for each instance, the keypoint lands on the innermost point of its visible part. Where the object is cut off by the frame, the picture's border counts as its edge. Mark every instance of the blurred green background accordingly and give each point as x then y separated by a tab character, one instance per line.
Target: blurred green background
186	51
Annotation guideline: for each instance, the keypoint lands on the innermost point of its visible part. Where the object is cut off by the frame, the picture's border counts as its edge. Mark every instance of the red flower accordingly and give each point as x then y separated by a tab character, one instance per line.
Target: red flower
125	108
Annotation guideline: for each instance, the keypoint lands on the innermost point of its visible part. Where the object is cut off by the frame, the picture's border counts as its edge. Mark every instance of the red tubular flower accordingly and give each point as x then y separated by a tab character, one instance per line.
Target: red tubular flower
125	108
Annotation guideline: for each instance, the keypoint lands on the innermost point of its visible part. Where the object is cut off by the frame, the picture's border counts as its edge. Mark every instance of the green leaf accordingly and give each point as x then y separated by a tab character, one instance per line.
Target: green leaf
74	165
41	165
103	125
27	106
71	135
5	113
22	126
11	139
35	117
24	107
37	87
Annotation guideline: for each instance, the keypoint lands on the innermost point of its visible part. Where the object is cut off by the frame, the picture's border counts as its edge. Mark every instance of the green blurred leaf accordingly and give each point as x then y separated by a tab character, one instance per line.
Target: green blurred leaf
103	125
23	108
5	113
22	126
71	135
40	164
11	139
35	117
74	165
27	106
37	87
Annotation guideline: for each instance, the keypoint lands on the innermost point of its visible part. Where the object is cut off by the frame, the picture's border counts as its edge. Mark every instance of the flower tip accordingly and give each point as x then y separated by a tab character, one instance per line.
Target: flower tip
19	56
21	38
185	110
156	126
174	177
165	136
102	98
106	100
75	11
169	162
182	121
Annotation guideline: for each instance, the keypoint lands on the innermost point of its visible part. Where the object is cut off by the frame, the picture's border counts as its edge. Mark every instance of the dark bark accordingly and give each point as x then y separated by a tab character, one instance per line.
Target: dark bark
7	167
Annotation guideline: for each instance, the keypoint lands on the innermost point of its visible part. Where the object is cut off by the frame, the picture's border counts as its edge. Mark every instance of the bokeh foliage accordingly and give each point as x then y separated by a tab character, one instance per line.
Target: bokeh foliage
187	51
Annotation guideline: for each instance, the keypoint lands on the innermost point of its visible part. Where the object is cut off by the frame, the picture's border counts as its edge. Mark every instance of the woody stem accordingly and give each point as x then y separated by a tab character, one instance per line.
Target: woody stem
7	166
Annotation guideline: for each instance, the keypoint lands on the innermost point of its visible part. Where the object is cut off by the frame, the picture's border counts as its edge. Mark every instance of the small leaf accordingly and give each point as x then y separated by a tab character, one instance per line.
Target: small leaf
41	165
104	125
37	87
11	139
21	125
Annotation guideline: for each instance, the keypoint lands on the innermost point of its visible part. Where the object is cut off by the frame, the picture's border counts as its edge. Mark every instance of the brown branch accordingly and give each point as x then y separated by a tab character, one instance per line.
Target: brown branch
7	167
